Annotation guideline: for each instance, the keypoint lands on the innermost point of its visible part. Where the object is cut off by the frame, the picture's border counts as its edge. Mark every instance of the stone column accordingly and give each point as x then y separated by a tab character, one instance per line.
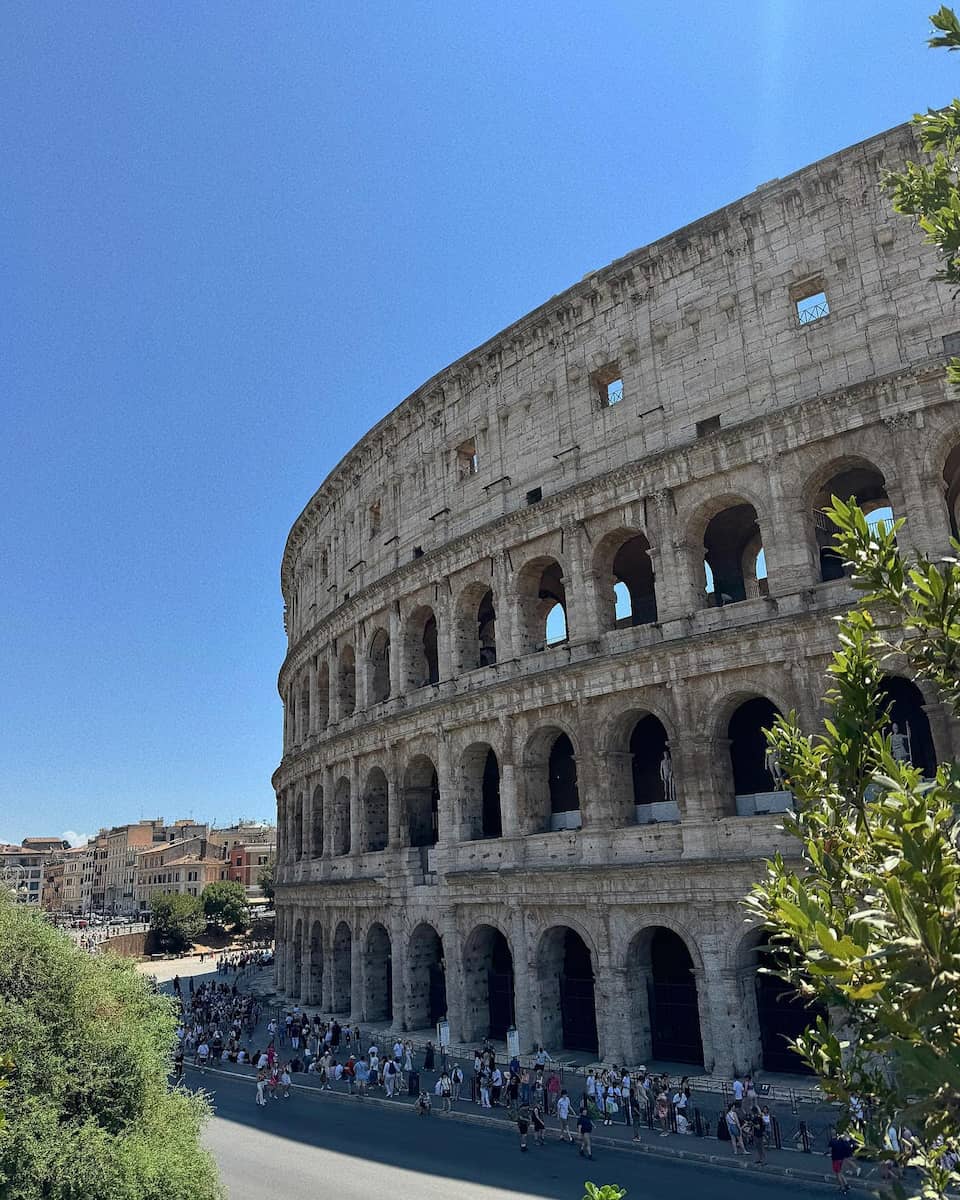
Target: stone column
329	781
398	975
446	806
578	583
506	613
356	810
914	497
335	713
356	977
453	973
396	645
593	790
443	611
326	989
610	992
730	1038
314	696
524	981
509	815
786	534
678	574
395	828
361	677
305	959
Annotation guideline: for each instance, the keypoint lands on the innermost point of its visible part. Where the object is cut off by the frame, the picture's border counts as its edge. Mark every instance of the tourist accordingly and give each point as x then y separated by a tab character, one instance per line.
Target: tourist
496	1085
261	1081
585	1125
738	1093
456	1081
389	1077
285	1081
563	1115
759	1134
429	1057
734	1129
539	1125
361	1073
523	1124
446	1090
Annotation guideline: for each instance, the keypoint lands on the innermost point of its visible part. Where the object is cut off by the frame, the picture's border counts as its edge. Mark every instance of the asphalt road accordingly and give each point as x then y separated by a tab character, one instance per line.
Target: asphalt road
305	1146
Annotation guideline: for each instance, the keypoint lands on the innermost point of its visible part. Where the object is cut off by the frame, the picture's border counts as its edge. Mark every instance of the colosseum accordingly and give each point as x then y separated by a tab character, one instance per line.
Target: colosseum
539	616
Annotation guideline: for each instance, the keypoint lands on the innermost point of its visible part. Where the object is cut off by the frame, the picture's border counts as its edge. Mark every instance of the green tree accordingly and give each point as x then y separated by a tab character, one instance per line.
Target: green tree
176	920
266	879
89	1112
225	903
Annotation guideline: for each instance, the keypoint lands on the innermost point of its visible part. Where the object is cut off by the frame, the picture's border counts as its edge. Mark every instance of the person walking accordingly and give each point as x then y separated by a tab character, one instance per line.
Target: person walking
456	1081
563	1116
446	1091
539	1124
735	1130
261	1083
840	1150
759	1134
523	1125
585	1125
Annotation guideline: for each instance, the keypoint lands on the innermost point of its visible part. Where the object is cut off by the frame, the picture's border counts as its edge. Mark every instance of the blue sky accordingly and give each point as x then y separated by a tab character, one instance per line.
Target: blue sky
235	235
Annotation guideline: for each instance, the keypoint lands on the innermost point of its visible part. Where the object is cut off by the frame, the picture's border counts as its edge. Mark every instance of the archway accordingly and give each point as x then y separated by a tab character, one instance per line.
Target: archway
568	1004
378	975
475	632
654	791
734	563
489	1005
378	667
623	558
562	780
420	649
376	833
909	729
951	480
347	680
341	817
421	800
667	1017
541	598
426	978
342	966
782	1014
315	990
757	783
861	480
316	832
480	789
549	783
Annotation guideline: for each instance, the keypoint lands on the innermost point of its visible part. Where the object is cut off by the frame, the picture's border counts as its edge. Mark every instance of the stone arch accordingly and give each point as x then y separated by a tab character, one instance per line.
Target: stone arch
489	1004
643	785
551	797
342	968
475	628
664	998
426	978
850	475
421	661
540	589
341	817
951	486
316	831
480	793
772	1011
347	681
753	769
315	977
378	667
909	729
421	801
625	580
377	975
566	976
728	528
375	810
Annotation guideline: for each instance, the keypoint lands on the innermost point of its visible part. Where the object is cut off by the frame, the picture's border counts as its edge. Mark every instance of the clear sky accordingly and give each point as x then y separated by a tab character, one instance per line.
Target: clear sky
234	235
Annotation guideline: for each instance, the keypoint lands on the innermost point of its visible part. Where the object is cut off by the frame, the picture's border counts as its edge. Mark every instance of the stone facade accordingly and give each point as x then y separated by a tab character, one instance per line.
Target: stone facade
523	777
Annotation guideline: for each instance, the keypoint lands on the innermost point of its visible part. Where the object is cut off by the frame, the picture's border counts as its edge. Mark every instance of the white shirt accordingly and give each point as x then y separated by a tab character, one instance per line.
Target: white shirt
563	1107
737	1090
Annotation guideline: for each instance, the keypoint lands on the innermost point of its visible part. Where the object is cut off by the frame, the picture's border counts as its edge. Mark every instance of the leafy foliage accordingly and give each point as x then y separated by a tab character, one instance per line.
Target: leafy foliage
89	1111
608	1191
266	879
869	926
176	920
225	903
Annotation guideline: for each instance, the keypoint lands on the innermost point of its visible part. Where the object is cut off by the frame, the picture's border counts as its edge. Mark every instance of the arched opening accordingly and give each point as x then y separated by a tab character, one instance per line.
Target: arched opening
758	782
475	632
654	788
426	979
909	726
421	801
671	996
951	480
480	789
420	643
866	485
782	1014
342	963
567	1002
378	976
296	980
298	828
562	782
315	991
541	605
341	817
347	682
624	558
378	666
316	832
733	556
489	1007
323	695
375	830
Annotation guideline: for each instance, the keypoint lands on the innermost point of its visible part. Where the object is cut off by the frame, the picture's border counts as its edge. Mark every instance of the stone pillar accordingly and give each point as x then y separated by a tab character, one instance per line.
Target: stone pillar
396	832
356	977
786	533
305	959
361	676
945	731
919	500
524	983
326	999
314	697
717	1042
356	810
679	578
398	974
453	973
335	713
446	806
593	790
506	612
329	781
613	1007
730	1038
397	687
509	815
578	583
703	775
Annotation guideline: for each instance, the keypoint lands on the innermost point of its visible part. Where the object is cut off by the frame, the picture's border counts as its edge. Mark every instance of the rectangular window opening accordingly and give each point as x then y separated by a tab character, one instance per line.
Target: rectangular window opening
374	519
468	461
707	426
418	552
811	306
535	495
608	385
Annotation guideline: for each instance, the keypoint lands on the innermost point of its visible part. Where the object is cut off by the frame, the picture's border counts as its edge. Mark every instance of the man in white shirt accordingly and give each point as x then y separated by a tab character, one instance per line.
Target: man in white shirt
563	1116
738	1094
203	1055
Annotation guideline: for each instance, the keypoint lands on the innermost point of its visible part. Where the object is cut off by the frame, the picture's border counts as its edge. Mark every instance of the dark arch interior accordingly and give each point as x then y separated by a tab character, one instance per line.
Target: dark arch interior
578	1010
905	701
491	819
488	984
378	976
487	630
562	772
867	486
674	1011
380	667
748	746
951	479
648	742
427	1000
781	1013
633	568
422	790
430	650
725	542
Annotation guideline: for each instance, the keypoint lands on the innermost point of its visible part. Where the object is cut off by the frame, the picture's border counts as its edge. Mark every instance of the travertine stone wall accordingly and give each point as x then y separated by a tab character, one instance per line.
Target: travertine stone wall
418	581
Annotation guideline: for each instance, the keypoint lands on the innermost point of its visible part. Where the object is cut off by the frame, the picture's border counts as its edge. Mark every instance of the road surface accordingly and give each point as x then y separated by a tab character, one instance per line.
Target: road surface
306	1147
